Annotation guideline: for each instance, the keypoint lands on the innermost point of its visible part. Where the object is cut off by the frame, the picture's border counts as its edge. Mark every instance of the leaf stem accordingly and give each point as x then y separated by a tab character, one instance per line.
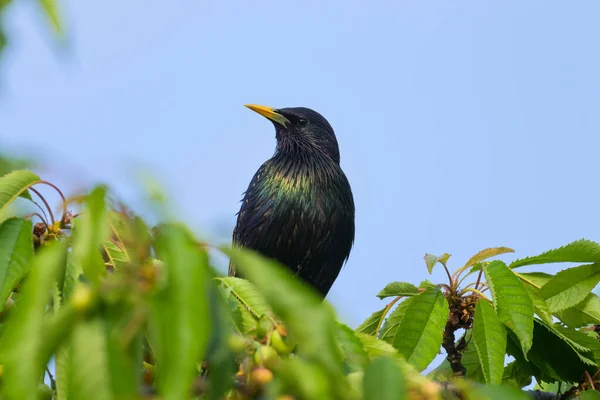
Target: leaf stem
385	311
41	209
448	288
527	280
45	203
590	380
60	193
478	279
475	291
450	281
39	216
483	284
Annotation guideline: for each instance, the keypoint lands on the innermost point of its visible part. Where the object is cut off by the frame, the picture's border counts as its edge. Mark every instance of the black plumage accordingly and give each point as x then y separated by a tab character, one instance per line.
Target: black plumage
299	208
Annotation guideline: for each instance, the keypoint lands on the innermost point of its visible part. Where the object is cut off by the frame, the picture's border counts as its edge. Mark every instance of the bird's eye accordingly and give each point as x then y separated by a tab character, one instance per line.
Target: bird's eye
302	122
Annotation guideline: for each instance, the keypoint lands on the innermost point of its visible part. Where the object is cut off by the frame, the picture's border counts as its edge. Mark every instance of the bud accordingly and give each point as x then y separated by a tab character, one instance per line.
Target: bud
39	229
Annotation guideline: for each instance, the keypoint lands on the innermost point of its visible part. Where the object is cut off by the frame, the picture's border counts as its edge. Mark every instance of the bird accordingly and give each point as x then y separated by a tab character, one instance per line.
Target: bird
299	208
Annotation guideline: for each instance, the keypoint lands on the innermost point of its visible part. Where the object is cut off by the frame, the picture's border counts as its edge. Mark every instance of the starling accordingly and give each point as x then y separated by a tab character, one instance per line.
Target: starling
298	208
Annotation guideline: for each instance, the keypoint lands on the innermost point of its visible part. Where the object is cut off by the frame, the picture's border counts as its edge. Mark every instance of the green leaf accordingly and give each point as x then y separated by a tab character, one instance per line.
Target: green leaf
50	8
585	343
472	363
57	330
123	347
431	260
489	338
91	231
180	323
12	185
512	302
585	353
487	253
60	325
395	289
16	252
539	304
241	319
246	303
425	284
61	363
589	395
369	326
537	279
71	278
376	347
550	387
578	251
220	356
88	364
470	360
355	356
419	334
9	164
247	294
20	344
389	329
517	373
493	392
383	380
117	257
556	356
570	287
314	383
581	314
441	373
310	320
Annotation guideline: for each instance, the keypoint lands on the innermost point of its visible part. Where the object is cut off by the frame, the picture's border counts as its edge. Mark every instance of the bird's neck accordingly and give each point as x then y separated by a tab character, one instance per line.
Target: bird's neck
302	172
306	149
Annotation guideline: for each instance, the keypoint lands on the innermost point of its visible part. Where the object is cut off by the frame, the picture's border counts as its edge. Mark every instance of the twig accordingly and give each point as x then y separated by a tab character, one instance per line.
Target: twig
42	210
52	381
448	273
478	279
28	217
45	203
454	357
590	380
60	193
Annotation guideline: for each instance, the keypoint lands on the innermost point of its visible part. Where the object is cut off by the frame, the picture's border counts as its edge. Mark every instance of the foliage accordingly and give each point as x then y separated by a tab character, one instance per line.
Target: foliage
130	311
50	11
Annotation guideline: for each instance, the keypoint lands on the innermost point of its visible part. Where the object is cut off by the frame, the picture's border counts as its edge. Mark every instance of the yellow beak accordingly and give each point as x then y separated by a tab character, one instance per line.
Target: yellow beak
269	113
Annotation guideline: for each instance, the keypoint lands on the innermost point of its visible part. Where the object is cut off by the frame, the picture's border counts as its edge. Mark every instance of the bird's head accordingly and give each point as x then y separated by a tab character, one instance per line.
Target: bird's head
301	131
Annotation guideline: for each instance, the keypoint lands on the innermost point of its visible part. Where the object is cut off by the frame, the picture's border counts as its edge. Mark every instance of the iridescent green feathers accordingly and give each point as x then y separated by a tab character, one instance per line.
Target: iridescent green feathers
298	208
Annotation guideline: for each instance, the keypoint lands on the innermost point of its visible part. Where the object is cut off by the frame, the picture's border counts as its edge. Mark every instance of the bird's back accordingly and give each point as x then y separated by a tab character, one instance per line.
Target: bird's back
301	213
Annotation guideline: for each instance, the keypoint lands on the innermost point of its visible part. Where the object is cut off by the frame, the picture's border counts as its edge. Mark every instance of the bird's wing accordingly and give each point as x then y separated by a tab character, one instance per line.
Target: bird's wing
257	206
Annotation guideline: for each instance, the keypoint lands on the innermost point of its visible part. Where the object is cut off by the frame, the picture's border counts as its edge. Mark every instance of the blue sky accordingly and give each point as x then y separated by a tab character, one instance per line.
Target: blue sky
462	125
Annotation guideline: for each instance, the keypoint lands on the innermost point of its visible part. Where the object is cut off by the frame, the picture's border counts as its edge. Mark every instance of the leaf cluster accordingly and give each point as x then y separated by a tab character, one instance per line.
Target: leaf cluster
122	310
